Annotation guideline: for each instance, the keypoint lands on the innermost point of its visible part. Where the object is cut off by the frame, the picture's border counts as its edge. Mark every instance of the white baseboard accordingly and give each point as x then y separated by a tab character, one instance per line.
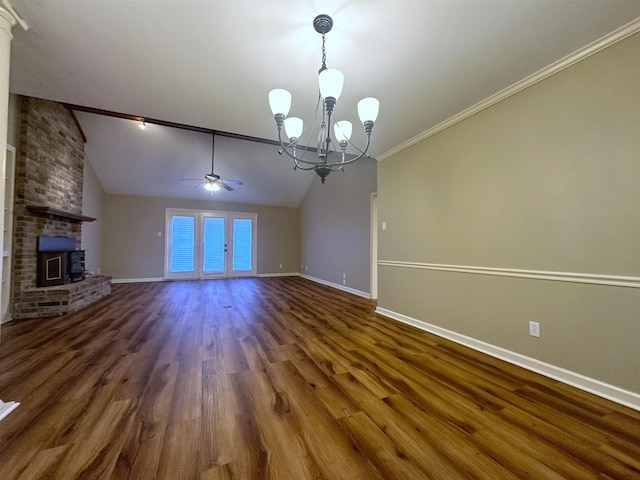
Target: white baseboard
610	392
136	280
288	274
336	285
161	279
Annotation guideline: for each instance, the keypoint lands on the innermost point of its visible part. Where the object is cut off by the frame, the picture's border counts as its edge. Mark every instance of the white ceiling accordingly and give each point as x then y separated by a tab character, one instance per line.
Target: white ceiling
211	63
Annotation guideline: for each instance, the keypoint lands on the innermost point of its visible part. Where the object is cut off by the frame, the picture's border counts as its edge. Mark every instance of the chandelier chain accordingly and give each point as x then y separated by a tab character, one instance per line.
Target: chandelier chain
324	56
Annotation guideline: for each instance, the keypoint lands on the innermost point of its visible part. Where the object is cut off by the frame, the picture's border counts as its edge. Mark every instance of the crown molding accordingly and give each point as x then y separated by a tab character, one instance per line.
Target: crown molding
571	59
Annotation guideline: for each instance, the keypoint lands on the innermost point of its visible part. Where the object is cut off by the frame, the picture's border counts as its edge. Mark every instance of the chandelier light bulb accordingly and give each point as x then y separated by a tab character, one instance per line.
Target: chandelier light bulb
293	127
368	109
142	125
280	101
343	130
331	82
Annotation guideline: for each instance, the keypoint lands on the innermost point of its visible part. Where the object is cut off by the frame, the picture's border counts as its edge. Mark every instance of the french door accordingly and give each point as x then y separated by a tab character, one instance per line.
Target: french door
206	244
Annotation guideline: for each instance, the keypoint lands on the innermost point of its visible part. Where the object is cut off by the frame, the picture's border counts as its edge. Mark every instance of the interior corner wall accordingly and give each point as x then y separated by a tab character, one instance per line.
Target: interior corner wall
548	180
92	206
134	244
335	226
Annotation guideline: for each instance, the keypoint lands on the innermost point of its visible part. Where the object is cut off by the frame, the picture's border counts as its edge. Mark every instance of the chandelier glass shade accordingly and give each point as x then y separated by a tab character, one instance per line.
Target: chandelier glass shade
331	158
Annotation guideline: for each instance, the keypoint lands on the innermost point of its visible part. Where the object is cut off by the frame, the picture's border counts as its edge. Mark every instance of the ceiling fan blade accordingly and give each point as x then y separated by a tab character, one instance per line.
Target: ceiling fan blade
190	179
232	182
224	185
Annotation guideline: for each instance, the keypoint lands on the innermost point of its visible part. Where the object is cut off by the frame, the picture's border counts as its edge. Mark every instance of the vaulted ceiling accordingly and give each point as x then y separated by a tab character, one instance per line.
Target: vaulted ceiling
211	64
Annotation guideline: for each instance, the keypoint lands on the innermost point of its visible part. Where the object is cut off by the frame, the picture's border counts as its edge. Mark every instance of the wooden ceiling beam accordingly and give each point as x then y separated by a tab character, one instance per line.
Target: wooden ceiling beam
165	123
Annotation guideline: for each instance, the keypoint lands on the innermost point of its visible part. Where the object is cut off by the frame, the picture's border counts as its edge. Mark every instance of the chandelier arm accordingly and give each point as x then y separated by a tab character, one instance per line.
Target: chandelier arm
300	167
363	153
285	149
313	129
293	143
366	146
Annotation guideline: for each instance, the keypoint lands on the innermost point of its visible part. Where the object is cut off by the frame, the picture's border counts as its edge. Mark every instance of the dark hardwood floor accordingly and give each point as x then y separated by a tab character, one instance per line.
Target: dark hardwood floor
282	378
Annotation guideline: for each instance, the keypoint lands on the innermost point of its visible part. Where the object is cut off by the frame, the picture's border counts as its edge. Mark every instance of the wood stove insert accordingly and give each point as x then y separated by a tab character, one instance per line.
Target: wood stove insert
59	262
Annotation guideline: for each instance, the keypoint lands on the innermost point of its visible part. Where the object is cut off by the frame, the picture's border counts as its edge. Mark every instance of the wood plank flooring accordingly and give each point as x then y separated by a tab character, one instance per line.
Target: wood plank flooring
282	378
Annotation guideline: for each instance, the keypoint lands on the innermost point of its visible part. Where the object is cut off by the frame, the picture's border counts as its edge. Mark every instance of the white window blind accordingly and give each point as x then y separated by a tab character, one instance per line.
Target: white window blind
213	260
182	243
241	244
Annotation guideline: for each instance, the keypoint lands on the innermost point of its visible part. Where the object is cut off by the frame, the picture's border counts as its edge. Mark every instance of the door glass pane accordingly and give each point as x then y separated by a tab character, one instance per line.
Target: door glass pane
241	244
182	243
213	260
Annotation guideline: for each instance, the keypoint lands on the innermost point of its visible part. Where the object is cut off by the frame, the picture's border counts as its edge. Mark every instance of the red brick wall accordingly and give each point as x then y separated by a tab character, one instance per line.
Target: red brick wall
49	172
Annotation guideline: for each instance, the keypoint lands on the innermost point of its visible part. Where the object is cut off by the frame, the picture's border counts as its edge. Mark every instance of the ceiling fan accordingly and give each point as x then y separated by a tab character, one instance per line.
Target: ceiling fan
213	182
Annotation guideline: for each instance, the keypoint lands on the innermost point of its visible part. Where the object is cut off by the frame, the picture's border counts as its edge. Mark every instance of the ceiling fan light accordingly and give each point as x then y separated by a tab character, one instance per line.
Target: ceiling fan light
368	109
293	127
212	186
343	130
280	101
331	82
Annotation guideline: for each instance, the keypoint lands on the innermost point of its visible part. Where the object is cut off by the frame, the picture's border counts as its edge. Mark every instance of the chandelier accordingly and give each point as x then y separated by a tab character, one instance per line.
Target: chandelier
331	82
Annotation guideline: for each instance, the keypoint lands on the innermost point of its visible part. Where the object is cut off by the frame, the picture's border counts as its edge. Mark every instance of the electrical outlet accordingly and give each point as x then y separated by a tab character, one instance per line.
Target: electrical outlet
344	278
280	266
534	329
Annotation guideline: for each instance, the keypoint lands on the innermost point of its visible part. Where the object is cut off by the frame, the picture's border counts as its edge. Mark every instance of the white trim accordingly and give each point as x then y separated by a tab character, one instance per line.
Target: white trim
373	254
5	4
571	59
6	408
605	390
137	280
267	275
591	278
8	218
336	285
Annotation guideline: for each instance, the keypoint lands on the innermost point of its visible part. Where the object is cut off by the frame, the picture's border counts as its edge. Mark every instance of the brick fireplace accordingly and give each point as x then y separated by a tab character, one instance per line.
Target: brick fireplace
48	202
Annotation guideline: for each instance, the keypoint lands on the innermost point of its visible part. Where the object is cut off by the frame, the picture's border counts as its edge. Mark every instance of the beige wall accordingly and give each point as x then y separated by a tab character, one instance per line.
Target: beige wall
133	249
335	226
92	206
548	179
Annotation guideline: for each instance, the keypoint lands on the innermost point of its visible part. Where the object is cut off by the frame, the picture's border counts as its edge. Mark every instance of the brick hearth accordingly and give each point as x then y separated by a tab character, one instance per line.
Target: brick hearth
64	299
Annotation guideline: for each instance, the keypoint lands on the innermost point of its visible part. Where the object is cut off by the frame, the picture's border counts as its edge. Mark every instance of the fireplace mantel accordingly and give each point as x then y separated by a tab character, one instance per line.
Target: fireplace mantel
72	217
